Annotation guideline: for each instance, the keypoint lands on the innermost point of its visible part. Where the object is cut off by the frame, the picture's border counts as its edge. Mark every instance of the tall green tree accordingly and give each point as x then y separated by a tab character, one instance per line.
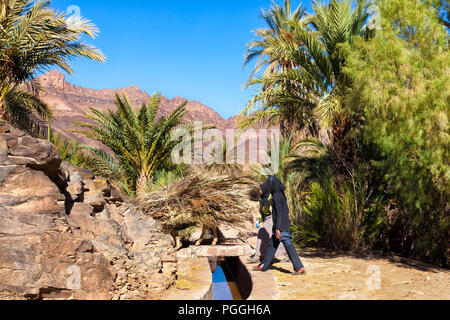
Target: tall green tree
140	141
335	204
401	91
280	153
34	38
442	9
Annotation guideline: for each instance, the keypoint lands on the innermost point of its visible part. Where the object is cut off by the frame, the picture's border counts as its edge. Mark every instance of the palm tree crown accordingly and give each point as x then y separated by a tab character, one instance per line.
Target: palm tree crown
33	39
276	37
310	86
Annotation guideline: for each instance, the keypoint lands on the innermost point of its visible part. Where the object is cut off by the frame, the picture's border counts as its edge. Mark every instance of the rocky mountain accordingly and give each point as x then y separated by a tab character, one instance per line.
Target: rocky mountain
71	103
67	234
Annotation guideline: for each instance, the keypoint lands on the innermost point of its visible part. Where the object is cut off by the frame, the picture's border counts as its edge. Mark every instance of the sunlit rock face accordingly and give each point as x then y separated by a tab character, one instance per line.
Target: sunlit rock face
71	103
66	234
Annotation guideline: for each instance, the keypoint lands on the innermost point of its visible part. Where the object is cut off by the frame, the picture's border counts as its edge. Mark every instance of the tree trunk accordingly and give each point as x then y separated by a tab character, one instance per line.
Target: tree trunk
3	125
142	185
2	109
4	90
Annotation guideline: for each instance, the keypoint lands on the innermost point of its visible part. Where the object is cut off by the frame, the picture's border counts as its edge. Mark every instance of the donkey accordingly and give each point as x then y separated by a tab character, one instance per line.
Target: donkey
178	243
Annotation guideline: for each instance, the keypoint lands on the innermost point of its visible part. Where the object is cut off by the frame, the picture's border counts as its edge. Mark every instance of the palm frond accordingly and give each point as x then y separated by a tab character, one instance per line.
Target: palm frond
303	79
197	200
33	39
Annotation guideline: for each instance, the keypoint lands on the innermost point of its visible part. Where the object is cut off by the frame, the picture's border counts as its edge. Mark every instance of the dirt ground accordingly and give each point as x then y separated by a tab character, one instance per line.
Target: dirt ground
341	276
344	276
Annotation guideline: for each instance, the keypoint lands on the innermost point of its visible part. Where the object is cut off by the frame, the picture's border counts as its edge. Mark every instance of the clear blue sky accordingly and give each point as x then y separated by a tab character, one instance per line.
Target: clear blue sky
192	49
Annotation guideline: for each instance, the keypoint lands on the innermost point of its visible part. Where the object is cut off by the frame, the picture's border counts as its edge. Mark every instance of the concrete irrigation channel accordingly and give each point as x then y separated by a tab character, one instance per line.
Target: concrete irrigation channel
217	273
231	279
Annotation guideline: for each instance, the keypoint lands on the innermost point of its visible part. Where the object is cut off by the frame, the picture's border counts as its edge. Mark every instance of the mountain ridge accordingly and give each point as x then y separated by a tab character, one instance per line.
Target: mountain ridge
72	103
54	84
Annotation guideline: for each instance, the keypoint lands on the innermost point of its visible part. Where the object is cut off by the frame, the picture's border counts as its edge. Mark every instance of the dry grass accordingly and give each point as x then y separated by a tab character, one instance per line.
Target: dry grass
199	200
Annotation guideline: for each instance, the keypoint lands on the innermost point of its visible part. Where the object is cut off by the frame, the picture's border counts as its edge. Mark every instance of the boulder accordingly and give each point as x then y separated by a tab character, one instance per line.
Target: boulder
75	186
137	227
53	266
94	226
29	202
70	169
36	154
74	178
116	195
95	193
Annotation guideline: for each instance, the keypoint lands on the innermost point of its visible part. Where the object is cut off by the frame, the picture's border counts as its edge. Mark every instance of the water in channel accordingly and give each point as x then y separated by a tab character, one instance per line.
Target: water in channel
224	282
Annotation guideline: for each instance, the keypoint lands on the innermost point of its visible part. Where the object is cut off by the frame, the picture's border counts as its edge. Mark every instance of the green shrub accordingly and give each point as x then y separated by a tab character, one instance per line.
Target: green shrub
337	216
401	79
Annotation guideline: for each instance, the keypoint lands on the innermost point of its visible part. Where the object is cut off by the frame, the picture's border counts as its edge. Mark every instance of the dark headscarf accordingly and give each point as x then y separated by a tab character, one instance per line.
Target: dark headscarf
280	208
275	185
265	195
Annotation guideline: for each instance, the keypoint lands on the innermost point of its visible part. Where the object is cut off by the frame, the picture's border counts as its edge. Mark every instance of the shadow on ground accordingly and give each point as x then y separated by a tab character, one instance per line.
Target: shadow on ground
399	261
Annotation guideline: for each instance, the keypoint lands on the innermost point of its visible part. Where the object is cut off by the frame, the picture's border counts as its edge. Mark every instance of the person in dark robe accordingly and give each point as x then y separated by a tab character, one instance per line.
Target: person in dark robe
281	228
265	232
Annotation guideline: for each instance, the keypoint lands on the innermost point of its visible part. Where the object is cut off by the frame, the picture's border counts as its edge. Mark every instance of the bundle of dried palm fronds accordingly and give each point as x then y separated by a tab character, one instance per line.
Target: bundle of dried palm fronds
197	200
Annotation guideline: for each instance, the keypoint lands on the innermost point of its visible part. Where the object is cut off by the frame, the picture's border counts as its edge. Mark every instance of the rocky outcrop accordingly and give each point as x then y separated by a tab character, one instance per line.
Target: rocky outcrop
40	155
66	234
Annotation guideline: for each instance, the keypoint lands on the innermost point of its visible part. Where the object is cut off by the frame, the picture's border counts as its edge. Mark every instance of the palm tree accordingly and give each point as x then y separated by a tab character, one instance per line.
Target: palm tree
19	106
70	151
277	37
315	86
272	52
140	141
312	160
34	38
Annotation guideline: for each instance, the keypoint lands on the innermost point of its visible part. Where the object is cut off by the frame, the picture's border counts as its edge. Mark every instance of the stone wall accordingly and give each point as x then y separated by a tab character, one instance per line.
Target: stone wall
66	234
